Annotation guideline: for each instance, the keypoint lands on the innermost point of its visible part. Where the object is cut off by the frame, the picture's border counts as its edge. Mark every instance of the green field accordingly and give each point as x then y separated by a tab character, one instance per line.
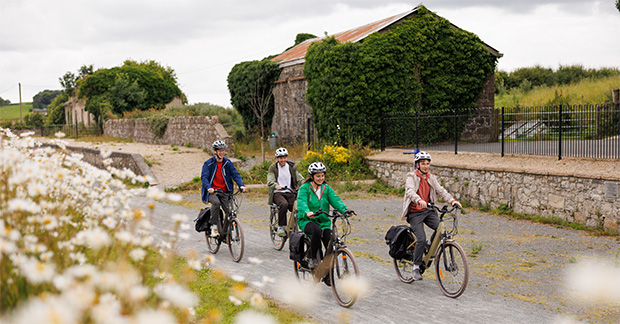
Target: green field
12	111
584	92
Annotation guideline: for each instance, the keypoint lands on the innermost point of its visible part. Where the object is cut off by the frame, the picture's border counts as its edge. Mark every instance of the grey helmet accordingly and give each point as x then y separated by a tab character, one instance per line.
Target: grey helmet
422	156
316	167
281	152
219	145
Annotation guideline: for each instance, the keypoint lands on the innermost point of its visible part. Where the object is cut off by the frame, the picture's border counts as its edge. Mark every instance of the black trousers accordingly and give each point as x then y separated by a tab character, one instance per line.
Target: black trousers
318	235
218	200
417	221
285	201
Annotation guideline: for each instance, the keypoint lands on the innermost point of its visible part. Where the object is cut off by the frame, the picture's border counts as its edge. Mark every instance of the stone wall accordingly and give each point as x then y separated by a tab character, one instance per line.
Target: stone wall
197	131
290	119
593	202
120	160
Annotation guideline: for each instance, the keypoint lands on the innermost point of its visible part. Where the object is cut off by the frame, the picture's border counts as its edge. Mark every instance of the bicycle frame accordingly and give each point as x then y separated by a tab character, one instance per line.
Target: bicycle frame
442	238
233	208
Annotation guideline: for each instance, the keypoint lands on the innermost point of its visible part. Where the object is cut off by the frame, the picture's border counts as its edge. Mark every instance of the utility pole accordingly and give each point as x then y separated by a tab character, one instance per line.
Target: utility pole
20	101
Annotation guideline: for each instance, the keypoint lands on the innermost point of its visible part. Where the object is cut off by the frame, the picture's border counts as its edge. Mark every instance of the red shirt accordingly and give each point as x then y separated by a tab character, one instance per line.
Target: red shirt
218	179
424	191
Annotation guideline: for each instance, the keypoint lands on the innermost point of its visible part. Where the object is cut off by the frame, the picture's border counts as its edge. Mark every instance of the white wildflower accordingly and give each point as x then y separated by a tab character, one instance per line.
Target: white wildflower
36	271
253	260
236	301
138	293
253	317
174	197
49	310
237	278
137	254
155	193
59	134
109	222
195	264
26	205
180	218
94	238
150	316
257	301
176	294
595	281
105	154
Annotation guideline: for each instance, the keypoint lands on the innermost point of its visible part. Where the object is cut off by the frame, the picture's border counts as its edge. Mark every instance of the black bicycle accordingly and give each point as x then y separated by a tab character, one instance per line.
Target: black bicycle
339	262
450	261
291	226
232	233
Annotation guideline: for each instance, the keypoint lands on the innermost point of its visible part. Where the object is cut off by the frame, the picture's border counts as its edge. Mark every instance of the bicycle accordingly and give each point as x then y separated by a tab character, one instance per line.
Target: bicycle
451	266
233	235
291	226
339	262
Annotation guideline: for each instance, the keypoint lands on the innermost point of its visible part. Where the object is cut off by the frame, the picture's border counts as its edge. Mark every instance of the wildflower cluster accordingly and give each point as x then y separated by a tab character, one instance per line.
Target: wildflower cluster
73	250
340	161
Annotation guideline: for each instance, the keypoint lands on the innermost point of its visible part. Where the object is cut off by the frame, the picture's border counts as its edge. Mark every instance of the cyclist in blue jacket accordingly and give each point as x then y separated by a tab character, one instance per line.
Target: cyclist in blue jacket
218	172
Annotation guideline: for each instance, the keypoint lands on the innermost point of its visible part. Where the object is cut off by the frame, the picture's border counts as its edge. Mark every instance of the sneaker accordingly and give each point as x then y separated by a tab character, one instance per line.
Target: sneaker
312	264
416	275
327	280
281	231
214	231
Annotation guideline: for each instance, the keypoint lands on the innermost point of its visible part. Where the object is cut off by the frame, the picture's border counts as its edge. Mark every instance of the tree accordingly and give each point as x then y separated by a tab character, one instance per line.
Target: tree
125	95
251	93
618	4
56	110
4	102
68	82
44	98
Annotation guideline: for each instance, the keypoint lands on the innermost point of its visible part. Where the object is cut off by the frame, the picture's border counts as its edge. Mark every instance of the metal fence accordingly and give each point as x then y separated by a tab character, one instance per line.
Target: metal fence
564	130
71	131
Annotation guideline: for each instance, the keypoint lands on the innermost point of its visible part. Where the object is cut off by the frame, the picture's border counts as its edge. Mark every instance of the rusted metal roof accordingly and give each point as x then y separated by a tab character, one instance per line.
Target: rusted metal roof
353	35
296	54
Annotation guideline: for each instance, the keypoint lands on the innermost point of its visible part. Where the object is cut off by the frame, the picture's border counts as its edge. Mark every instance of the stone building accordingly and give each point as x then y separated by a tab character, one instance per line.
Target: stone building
291	120
75	114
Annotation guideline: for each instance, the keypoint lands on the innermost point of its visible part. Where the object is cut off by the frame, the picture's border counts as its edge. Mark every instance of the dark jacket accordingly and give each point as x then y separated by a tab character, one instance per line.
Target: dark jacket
228	171
272	178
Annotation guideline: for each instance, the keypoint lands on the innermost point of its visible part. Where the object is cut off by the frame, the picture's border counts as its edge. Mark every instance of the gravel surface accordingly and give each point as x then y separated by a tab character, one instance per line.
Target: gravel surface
518	263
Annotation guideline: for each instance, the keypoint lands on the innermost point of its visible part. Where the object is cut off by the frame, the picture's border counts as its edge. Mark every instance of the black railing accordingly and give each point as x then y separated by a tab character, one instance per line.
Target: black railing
564	130
70	131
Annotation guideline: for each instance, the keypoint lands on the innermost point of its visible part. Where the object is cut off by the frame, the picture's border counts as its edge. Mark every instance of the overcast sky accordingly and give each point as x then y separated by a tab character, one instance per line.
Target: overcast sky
40	40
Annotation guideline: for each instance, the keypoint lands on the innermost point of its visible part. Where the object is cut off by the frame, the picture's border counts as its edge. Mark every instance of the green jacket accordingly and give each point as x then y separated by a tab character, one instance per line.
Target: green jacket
307	201
272	178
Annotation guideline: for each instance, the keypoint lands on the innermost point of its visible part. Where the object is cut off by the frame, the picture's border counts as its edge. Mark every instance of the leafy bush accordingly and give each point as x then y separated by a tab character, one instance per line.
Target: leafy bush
158	124
341	163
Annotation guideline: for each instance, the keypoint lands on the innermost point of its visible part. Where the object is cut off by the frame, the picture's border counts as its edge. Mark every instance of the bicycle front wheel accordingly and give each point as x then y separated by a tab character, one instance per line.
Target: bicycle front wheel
345	277
235	240
451	269
277	240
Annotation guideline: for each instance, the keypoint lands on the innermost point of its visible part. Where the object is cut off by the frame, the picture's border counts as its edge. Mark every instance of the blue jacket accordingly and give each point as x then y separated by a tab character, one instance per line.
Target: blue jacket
208	173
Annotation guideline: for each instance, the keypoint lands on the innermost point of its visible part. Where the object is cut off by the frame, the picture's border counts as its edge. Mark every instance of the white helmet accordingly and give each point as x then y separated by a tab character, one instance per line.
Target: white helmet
422	156
281	152
218	145
316	167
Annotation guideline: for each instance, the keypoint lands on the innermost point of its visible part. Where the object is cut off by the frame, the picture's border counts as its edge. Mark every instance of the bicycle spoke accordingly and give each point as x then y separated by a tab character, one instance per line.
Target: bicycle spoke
344	275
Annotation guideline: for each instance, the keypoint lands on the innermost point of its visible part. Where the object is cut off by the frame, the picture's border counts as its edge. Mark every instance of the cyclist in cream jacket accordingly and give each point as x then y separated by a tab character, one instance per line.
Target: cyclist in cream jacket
422	187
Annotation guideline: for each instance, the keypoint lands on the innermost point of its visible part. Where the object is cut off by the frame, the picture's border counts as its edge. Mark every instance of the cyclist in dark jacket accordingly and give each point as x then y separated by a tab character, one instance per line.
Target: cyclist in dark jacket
218	172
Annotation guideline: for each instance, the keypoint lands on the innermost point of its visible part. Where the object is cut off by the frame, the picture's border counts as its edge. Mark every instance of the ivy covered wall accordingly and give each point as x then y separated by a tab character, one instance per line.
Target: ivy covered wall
422	64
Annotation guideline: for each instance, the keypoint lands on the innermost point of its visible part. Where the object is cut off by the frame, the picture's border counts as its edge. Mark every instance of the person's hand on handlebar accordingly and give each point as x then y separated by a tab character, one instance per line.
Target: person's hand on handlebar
243	189
211	190
349	213
422	204
454	202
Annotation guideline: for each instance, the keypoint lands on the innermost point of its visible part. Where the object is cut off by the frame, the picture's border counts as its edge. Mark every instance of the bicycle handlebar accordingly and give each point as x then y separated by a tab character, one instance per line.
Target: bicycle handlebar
443	210
335	213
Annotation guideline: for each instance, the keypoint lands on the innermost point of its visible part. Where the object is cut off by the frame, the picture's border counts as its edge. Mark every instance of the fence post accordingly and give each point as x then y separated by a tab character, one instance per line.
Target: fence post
382	132
455	133
76	131
502	128
417	138
308	131
615	98
560	135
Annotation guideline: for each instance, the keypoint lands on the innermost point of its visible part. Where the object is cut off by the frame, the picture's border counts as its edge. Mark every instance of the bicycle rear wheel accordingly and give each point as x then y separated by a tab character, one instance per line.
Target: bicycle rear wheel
404	270
451	269
344	277
302	272
277	240
235	240
213	243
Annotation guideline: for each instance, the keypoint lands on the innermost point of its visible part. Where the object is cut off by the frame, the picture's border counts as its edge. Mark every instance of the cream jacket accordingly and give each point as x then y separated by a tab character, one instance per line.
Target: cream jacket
411	192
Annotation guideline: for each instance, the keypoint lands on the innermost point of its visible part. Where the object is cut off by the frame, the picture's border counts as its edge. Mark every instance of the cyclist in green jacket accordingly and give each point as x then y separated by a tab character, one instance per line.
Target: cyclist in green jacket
315	194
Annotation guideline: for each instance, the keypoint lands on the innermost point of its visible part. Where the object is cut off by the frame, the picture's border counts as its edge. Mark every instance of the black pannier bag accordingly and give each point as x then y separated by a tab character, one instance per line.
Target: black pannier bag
202	221
398	238
296	245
